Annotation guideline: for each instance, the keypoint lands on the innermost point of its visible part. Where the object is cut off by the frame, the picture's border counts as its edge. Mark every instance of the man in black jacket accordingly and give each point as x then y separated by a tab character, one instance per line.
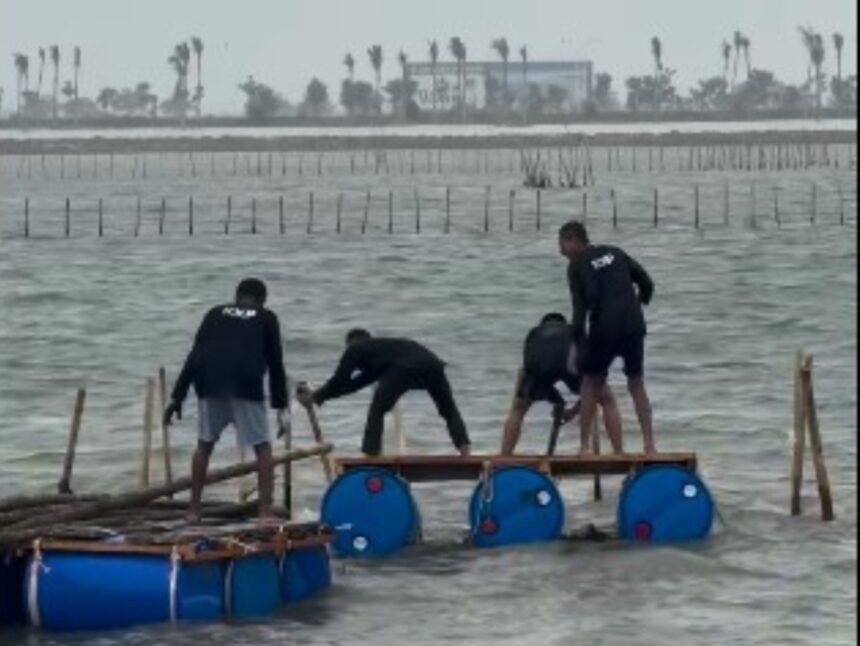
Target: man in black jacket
399	365
607	321
235	346
549	358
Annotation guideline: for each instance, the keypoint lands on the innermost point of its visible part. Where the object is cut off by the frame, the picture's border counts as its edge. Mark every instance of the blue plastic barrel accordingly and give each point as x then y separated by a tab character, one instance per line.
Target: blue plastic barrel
253	586
516	504
85	591
11	583
304	573
371	511
664	504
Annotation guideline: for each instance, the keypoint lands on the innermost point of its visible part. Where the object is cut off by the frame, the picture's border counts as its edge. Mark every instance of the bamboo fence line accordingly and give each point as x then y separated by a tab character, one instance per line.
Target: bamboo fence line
414	211
559	159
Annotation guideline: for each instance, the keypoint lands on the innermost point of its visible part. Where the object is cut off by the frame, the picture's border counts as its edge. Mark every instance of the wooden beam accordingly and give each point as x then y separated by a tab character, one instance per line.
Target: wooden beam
433	468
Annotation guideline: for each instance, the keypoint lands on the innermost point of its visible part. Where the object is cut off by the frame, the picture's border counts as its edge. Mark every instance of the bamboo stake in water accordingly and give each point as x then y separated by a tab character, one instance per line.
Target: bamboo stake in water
656	208
390	211
537	209
614	208
26	217
821	477
148	403
447	209
64	485
417	211
165	429
486	209
310	212
696	206
799	437
511	197
137	218
253	215
191	216
337	227
101	218
281	226
366	213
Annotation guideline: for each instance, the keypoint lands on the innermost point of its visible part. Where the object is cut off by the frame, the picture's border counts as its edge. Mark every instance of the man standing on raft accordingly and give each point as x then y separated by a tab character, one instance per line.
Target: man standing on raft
602	279
399	365
235	346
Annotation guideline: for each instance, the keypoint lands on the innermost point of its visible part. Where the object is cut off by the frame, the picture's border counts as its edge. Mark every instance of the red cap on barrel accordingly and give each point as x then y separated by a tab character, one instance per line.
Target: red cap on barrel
374	484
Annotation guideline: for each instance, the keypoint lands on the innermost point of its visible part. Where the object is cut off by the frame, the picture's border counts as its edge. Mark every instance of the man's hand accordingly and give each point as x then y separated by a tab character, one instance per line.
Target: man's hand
304	394
284	422
173	408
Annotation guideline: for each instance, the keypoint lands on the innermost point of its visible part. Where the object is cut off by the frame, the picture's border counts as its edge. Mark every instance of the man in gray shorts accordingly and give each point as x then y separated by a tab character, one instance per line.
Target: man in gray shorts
235	346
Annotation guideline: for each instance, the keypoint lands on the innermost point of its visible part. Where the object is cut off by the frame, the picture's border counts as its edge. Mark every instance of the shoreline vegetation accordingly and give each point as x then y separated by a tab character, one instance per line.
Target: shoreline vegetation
270	139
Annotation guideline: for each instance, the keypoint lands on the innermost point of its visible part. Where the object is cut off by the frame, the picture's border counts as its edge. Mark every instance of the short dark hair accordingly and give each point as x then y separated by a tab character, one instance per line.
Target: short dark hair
553	317
252	288
573	229
357	334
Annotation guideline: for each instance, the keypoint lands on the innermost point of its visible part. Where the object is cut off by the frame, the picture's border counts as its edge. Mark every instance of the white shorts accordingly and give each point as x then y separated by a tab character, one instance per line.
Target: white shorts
248	417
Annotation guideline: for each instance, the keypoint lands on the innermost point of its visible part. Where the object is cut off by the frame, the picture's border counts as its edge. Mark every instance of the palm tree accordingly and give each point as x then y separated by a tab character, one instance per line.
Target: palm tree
55	59
808	37
838	43
458	51
22	67
727	55
349	61
501	47
401	57
434	59
524	56
738	40
41	69
77	64
375	55
657	53
815	47
745	46
197	46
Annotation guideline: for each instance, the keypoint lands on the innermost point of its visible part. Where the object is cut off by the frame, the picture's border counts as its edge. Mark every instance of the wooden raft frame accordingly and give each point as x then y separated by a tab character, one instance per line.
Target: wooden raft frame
436	468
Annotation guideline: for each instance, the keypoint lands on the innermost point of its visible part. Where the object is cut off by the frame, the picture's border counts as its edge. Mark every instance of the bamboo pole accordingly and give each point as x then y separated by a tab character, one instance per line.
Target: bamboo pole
162	215
229	214
253	215
417	211
64	485
137	218
486	209
537	210
799	438
447	209
390	211
101	218
165	429
310	212
511	197
696	206
821	477
614	208
148	403
190	216
338	215
595	447
328	469
281	225
656	208
37	526
366	213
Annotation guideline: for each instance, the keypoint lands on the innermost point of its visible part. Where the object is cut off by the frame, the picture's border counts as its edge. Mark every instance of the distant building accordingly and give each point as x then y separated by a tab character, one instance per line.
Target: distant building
484	81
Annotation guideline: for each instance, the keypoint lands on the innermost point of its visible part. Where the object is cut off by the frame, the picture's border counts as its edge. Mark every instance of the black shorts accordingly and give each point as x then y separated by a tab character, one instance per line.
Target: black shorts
601	352
542	387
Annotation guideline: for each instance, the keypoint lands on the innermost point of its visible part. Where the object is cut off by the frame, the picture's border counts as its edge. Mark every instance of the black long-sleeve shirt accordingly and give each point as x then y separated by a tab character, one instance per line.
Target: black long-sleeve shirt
366	361
601	287
233	350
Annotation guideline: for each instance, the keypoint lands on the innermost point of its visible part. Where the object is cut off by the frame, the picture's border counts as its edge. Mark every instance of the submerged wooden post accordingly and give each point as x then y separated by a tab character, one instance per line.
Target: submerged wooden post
726	204
537	210
253	215
165	429
841	205
806	420
281	226
696	206
776	206
26	217
511	196
656	208
191	216
310	212
64	485
366	213
337	225
486	209
447	209
417	211
101	218
614	208
812	203
821	477
161	216
229	214
137	218
390	211
148	403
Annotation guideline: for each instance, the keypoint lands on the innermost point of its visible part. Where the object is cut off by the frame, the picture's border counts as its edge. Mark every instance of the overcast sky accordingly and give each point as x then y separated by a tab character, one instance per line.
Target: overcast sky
286	42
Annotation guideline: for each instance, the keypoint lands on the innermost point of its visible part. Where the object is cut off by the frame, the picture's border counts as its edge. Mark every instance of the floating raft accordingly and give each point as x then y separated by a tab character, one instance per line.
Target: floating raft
515	500
67	584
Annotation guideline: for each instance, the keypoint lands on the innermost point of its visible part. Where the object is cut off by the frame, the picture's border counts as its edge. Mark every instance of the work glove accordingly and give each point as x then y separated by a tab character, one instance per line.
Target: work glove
173	408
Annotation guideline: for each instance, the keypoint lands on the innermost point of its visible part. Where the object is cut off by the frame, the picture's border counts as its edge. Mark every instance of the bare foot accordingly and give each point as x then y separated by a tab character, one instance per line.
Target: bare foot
585	451
269	520
650	450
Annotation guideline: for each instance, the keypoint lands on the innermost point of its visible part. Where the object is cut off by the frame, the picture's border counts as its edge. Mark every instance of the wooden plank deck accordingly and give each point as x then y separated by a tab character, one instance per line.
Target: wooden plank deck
434	468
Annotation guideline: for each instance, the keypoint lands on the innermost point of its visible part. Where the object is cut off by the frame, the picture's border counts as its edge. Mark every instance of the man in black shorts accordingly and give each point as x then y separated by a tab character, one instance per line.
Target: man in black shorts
549	358
607	321
235	346
399	365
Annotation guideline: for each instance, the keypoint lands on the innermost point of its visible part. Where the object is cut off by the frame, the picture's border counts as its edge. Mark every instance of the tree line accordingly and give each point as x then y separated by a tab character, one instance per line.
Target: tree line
740	88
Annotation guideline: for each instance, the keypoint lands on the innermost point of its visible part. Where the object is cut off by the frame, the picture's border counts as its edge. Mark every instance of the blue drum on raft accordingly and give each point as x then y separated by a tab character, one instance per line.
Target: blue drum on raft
665	504
304	573
83	591
252	587
516	504
372	513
